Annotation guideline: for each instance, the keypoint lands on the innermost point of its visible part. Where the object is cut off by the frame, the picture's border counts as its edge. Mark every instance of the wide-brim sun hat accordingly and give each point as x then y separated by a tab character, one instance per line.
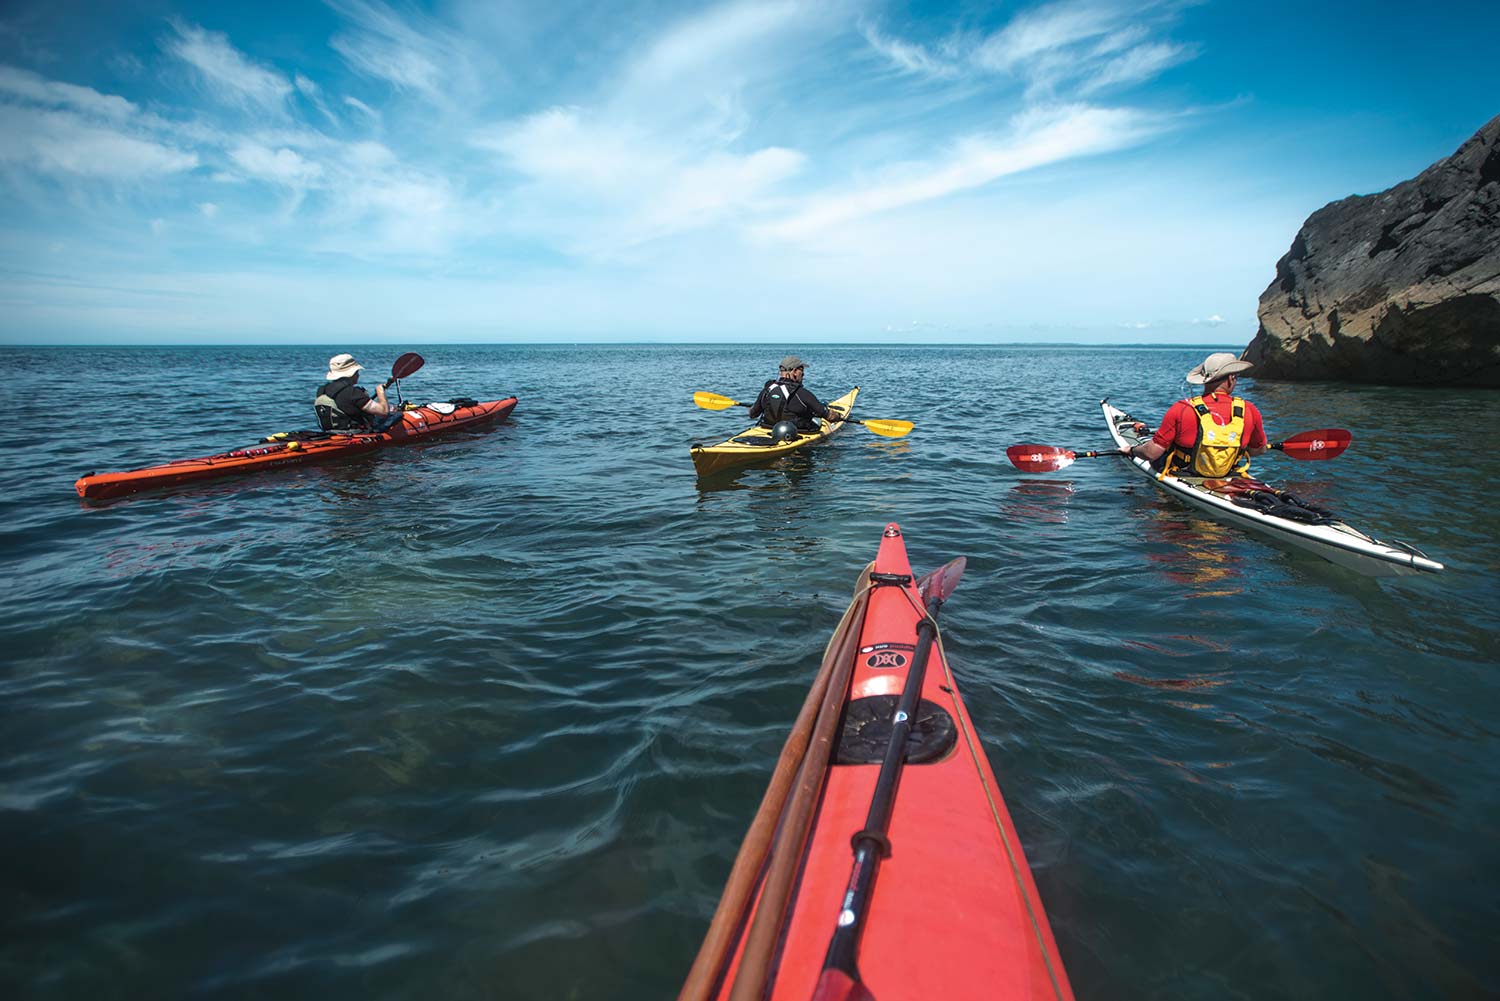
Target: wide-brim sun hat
342	366
1216	366
792	362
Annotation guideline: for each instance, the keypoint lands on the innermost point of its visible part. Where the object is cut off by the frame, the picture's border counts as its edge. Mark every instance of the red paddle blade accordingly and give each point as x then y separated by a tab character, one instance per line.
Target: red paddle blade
836	985
1039	458
1317	445
406	365
943	581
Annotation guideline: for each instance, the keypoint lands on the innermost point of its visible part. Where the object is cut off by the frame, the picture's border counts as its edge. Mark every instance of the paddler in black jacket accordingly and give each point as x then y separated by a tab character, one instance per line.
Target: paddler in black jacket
343	405
786	399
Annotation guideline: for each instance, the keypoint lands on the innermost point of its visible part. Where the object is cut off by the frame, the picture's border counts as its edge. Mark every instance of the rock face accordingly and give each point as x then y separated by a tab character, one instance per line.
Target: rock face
1401	288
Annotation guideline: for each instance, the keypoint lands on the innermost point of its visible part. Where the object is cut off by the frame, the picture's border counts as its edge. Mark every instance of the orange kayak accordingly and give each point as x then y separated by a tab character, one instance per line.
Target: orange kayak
833	899
293	449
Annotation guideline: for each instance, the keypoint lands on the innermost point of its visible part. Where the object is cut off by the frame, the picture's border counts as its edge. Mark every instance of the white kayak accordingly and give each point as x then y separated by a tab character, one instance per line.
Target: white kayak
1325	536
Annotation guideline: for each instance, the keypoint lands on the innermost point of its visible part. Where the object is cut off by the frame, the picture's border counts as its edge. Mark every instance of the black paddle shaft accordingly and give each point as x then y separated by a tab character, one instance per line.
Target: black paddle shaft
872	844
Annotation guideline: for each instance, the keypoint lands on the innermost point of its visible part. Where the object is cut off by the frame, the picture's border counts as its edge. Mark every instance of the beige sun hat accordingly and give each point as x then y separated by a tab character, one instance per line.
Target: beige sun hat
792	361
1216	366
342	366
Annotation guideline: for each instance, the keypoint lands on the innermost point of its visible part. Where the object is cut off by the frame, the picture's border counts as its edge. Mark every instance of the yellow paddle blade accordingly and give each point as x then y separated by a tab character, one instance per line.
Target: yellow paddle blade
713	401
888	429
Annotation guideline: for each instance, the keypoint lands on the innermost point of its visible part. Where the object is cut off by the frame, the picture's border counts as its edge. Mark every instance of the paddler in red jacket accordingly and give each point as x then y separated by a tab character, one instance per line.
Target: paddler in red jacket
1212	435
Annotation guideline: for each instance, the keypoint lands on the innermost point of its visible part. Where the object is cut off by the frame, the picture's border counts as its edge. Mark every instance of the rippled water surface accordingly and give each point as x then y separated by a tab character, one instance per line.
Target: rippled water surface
485	717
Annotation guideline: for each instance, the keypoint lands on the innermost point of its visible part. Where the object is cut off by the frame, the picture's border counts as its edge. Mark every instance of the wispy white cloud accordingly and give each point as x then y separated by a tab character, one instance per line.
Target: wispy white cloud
1042	31
33	89
226	70
710	41
362	108
1144	62
409	52
394	212
1038	138
1067	47
719	185
908	56
558	144
279	166
638	186
65	143
309	89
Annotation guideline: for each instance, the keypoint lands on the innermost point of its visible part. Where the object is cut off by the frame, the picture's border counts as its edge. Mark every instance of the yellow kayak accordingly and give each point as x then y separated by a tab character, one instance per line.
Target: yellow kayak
756	444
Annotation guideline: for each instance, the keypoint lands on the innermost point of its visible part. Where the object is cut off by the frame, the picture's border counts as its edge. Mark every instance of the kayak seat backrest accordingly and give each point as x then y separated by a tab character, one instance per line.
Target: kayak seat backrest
866	731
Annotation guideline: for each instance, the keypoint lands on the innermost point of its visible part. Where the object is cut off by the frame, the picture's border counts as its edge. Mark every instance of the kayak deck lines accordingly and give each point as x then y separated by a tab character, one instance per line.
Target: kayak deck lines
1329	536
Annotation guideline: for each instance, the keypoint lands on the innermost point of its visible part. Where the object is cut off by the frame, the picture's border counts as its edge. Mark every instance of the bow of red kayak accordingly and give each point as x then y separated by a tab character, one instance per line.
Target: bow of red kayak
954	912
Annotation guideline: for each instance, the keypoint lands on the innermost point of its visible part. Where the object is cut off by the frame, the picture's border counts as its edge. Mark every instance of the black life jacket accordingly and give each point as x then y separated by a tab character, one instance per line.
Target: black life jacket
781	404
333	417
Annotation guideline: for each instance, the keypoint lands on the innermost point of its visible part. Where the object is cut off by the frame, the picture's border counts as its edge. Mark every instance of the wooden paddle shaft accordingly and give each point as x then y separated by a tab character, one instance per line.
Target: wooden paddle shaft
718	942
786	854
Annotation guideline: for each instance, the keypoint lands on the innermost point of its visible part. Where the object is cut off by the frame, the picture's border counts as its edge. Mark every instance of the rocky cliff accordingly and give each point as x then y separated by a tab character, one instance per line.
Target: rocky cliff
1402	287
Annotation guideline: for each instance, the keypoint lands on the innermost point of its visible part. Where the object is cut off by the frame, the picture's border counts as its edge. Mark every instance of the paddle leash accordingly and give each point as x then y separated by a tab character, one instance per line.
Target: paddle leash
840	979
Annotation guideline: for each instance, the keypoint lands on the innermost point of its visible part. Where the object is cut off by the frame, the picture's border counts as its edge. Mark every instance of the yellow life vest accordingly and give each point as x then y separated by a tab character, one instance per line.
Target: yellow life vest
1220	449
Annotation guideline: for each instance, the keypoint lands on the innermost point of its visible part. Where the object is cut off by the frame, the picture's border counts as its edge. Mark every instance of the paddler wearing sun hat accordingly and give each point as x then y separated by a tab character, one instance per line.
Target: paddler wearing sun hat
343	405
1213	434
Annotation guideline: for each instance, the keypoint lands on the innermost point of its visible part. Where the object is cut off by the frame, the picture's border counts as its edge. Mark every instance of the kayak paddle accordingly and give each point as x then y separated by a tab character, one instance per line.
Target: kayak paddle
1046	458
1315	445
1310	445
840	979
400	369
884	428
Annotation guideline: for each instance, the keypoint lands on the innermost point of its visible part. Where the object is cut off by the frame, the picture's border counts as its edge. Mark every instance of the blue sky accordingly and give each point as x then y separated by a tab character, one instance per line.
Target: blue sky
1079	170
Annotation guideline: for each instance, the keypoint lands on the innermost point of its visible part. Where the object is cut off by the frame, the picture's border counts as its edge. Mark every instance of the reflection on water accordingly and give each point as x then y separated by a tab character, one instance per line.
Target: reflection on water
1174	684
1195	554
1039	500
784	472
890	446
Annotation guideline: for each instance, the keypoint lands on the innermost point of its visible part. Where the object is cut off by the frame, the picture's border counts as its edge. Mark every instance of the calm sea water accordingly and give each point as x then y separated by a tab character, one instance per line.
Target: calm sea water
487	717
